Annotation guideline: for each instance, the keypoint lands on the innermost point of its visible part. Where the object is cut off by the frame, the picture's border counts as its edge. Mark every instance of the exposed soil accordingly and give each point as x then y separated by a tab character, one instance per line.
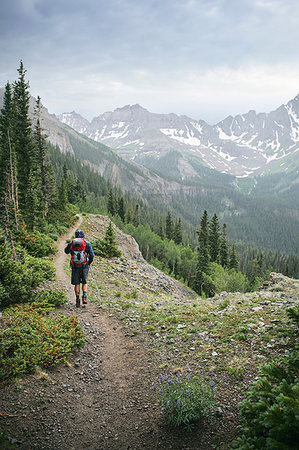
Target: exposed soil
104	398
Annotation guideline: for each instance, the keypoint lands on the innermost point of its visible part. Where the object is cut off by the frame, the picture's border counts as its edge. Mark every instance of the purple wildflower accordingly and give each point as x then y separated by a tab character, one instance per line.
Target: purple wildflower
161	391
167	404
178	403
161	378
155	387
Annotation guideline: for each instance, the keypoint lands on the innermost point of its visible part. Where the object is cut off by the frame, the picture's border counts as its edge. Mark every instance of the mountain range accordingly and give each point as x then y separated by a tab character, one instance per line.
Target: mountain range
244	169
244	146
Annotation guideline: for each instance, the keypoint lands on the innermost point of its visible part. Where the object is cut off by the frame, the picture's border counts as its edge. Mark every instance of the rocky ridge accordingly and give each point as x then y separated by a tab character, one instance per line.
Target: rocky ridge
246	145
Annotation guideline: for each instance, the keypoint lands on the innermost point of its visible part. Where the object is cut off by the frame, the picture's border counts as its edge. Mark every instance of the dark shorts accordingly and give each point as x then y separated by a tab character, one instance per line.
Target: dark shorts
79	275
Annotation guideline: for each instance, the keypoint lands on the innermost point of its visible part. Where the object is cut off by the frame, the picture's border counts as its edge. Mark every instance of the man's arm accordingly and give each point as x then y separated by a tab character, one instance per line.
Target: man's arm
67	249
90	252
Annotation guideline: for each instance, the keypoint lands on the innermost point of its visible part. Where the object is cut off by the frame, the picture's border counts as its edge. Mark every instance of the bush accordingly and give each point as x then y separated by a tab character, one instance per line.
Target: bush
107	247
270	411
229	280
30	338
37	244
54	298
186	400
19	277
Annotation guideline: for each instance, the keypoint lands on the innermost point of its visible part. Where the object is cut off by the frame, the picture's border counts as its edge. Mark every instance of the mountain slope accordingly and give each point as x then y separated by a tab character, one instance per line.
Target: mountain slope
261	211
248	144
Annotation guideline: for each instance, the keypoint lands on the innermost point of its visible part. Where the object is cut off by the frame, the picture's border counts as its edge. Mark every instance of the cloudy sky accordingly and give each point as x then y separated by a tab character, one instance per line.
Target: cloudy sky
203	58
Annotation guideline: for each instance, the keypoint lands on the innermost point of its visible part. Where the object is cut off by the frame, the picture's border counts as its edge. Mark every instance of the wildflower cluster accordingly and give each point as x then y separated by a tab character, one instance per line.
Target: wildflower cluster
30	338
185	400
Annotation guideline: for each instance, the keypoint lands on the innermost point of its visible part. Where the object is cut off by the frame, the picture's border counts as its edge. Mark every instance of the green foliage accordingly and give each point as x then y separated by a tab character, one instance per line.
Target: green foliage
186	400
107	247
31	338
229	280
19	277
54	298
37	244
270	411
293	313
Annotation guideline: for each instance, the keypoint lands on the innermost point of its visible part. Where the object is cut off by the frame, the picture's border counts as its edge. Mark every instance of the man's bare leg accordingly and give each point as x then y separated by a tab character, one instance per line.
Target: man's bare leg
77	292
84	289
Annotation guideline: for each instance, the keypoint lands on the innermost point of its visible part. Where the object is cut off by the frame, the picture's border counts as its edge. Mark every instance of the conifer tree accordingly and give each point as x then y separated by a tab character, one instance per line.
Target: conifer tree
233	258
62	196
107	247
178	233
121	209
214	239
8	180
111	203
129	214
169	226
24	146
161	229
44	175
223	247
136	218
202	267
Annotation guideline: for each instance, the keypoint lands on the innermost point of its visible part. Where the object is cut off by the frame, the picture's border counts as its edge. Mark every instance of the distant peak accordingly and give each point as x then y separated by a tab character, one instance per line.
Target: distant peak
135	107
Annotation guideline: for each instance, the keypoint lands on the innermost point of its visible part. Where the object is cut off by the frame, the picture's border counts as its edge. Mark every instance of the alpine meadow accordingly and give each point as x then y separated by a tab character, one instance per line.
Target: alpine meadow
188	337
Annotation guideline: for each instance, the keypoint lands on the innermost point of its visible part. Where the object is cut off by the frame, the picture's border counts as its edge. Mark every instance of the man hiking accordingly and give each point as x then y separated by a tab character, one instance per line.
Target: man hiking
82	255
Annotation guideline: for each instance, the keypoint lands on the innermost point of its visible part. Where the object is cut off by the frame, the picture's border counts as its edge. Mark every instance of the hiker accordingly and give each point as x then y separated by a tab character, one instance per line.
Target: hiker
82	255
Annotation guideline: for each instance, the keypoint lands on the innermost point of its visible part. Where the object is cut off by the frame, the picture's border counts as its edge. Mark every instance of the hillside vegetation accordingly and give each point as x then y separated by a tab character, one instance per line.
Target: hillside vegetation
227	339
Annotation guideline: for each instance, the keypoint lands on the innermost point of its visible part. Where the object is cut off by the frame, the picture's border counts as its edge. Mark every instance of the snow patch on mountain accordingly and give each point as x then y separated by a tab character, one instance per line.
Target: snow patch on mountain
244	145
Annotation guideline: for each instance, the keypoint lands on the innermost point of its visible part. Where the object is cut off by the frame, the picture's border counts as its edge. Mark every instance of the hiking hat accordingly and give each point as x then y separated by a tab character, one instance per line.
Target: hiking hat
79	234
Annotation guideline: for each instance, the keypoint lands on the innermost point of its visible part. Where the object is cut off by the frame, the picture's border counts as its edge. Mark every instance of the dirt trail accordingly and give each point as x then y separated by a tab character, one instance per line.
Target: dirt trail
102	400
107	374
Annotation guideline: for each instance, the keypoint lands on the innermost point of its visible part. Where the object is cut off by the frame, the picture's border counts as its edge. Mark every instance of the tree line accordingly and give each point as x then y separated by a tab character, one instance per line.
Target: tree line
29	198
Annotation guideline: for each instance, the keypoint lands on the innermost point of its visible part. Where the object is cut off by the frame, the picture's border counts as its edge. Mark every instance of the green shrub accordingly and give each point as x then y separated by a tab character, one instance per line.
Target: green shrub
55	298
186	400
107	247
30	338
37	244
270	412
19	277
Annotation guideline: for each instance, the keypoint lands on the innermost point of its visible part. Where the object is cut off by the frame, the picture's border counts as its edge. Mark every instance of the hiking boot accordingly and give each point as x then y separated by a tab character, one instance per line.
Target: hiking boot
78	302
84	300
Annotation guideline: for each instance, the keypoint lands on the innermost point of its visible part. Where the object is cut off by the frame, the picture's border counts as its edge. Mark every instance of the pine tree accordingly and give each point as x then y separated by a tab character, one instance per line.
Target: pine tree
223	247
214	239
111	203
136	218
233	258
62	200
44	176
178	233
121	209
203	261
107	247
161	229
24	146
8	180
169	226
129	214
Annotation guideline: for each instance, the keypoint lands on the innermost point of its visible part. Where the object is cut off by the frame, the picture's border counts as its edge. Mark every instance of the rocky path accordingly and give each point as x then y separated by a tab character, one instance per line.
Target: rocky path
101	400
